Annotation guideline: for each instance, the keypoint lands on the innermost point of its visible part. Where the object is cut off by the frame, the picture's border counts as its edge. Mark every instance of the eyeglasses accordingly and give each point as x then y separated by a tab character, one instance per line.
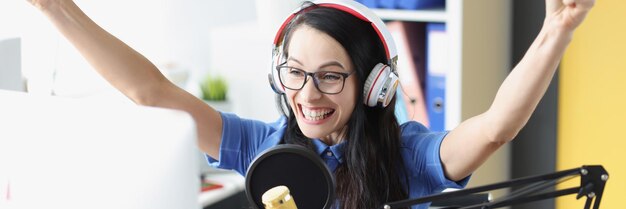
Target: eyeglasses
327	82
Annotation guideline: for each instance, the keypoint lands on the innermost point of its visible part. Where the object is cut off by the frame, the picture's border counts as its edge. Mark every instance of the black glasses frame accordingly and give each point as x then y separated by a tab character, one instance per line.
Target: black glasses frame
312	75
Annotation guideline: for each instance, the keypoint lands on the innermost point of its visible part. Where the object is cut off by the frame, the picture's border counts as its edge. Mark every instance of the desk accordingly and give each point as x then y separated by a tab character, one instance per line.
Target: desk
232	183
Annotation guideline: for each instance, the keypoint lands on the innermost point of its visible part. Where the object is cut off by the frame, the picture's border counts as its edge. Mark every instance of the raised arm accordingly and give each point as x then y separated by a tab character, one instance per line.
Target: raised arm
130	72
466	147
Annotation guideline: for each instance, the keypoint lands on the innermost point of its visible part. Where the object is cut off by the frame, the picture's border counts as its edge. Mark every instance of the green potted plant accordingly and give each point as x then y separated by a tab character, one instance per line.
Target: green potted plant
214	89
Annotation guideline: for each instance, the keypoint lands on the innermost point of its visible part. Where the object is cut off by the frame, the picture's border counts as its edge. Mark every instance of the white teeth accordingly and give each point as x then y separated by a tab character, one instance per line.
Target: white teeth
315	114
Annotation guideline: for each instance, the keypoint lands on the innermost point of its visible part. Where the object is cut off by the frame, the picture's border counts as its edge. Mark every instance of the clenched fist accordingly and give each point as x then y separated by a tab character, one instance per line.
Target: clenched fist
567	14
44	4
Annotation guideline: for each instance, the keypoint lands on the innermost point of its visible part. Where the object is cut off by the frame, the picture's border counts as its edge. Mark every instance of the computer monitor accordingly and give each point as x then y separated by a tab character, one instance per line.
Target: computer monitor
72	153
10	65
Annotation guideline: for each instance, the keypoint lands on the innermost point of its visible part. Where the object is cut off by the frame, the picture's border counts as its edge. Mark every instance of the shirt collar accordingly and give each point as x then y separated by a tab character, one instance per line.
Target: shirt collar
337	149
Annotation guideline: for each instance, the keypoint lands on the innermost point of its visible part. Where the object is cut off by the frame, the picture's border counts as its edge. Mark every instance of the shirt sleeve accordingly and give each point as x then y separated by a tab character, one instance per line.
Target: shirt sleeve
241	139
421	152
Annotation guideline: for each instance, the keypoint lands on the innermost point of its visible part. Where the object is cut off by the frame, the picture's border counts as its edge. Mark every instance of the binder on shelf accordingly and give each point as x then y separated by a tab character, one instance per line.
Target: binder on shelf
420	4
387	4
404	4
436	69
369	3
410	44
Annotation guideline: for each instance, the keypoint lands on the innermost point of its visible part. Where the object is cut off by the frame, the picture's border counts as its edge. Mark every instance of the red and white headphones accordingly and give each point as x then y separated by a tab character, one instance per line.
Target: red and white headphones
381	84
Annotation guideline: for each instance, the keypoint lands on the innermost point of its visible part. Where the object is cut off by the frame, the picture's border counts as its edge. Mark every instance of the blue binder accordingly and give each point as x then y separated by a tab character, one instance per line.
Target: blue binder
436	64
387	4
369	3
420	4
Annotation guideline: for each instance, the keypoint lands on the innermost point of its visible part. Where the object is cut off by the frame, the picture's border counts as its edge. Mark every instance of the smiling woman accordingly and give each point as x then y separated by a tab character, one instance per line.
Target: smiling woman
320	40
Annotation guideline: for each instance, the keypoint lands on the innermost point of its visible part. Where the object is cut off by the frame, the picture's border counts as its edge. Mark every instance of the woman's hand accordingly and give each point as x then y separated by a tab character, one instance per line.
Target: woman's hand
43	4
567	15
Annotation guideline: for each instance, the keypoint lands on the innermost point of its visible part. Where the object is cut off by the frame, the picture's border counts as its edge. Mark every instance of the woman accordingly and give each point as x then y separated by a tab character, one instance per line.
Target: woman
323	72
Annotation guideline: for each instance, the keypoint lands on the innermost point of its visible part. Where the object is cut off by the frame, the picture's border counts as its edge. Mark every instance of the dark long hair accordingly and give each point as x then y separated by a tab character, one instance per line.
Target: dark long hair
370	175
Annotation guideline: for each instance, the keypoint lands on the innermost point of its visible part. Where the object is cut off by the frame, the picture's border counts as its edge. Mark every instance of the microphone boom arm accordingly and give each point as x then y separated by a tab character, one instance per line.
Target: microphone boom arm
592	182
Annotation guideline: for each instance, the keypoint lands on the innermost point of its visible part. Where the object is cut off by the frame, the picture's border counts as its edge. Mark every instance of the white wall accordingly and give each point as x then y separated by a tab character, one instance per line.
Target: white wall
204	37
242	54
190	23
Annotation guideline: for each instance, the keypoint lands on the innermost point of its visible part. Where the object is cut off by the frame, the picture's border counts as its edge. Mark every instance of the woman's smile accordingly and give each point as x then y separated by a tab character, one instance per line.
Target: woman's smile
315	115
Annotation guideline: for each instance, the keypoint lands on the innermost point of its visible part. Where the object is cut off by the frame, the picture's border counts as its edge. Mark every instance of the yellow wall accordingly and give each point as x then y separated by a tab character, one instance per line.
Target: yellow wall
592	102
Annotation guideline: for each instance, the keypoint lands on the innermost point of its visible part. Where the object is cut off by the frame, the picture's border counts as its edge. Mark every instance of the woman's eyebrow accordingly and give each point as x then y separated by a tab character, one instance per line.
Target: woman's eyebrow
327	64
295	60
331	63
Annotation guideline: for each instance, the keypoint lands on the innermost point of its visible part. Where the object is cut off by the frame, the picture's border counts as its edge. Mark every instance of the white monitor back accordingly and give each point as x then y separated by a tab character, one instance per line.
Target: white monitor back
10	65
70	153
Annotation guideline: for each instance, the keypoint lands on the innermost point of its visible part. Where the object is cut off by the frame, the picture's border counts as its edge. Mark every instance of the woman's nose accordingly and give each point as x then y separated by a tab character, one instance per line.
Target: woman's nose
309	92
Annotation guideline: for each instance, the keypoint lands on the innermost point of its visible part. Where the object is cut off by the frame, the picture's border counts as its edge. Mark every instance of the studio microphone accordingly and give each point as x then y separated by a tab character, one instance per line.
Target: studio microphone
278	198
287	173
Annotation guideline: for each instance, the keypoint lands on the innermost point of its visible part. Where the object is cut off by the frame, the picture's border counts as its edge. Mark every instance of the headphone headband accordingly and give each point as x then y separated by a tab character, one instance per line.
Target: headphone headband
380	86
358	10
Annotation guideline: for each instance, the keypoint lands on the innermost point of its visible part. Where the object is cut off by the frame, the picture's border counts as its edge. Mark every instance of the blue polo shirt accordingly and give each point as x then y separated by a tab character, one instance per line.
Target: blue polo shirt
244	139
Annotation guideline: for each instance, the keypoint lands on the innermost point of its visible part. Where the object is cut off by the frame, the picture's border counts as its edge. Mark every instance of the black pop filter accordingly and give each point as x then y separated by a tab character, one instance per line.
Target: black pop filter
310	182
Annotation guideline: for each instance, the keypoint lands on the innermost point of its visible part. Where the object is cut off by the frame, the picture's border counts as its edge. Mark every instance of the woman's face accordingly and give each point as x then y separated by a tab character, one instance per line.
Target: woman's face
320	115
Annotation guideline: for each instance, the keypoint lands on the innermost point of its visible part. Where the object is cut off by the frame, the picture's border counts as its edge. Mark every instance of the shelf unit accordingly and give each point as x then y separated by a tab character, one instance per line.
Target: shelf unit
479	53
479	33
431	15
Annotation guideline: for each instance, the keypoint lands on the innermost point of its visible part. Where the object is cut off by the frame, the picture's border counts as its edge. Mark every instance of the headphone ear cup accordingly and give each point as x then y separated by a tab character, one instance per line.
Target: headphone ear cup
275	85
273	75
391	86
374	83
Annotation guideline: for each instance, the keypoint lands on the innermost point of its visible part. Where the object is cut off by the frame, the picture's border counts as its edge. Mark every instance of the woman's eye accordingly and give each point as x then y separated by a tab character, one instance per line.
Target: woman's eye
294	72
331	77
